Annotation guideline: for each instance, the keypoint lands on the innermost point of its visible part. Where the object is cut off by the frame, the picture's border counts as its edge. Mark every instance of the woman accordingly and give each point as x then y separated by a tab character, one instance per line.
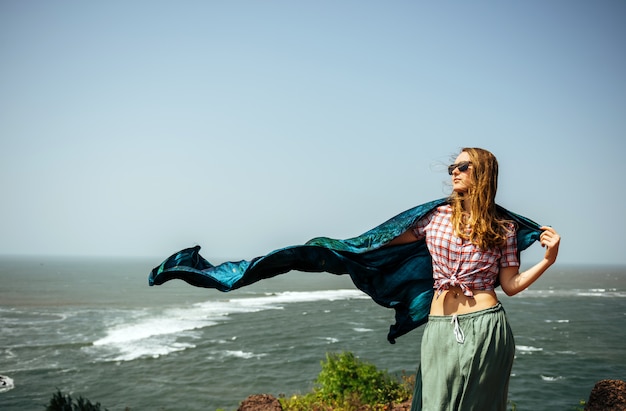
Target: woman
467	348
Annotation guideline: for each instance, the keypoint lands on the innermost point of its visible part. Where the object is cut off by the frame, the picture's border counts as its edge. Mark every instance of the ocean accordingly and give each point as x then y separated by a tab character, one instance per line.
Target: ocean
94	328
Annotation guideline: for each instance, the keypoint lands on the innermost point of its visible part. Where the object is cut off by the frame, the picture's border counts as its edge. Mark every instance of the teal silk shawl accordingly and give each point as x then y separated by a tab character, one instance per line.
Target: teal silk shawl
397	277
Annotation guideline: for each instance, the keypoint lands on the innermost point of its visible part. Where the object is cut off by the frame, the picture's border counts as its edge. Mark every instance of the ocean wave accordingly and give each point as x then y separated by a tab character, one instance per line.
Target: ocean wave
12	316
549	378
234	353
148	328
527	349
6	383
142	334
147	348
288	297
149	336
592	292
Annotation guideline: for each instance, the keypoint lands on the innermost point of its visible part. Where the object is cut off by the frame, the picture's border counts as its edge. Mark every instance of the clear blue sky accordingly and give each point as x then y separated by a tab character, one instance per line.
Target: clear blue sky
137	128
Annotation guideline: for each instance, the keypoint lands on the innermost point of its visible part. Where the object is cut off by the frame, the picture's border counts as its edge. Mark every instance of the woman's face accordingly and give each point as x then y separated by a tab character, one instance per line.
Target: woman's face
461	180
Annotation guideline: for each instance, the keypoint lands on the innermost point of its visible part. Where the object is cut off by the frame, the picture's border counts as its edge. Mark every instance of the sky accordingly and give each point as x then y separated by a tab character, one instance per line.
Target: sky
138	128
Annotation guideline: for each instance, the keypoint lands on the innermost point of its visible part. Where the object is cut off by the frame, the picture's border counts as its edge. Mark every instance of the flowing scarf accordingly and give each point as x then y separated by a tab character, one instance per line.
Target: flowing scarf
395	276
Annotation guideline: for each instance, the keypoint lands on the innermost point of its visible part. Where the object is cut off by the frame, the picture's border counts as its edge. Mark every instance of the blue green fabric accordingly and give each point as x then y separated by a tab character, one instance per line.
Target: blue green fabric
397	277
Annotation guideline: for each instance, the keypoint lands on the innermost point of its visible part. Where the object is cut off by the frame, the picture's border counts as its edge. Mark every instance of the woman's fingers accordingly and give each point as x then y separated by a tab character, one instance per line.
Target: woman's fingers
551	239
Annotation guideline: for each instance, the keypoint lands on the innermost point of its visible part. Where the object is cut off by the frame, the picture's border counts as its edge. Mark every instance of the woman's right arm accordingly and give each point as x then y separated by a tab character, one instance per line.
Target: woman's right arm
404	238
513	282
416	232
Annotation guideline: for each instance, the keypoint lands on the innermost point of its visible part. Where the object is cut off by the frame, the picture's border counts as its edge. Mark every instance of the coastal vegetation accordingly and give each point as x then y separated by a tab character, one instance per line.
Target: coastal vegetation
62	402
347	383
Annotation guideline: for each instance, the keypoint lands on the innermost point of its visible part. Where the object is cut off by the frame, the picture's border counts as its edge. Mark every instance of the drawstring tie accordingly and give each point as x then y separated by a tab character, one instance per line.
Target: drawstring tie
458	332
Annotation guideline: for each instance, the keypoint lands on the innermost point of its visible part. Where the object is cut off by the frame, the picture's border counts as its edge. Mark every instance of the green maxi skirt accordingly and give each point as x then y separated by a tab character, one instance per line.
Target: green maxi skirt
466	362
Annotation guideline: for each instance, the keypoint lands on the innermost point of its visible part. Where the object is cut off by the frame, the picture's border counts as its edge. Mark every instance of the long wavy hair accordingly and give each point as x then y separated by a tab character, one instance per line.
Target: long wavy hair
481	224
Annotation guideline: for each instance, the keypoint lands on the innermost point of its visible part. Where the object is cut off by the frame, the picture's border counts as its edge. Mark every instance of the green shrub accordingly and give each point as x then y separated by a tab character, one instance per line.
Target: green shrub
60	402
347	383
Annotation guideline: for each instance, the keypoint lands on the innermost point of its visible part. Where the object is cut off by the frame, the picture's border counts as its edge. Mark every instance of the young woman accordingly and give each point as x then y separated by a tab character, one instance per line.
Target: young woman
467	348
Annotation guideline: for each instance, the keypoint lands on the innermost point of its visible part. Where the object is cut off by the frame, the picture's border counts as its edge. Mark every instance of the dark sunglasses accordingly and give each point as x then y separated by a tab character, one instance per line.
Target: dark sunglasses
462	166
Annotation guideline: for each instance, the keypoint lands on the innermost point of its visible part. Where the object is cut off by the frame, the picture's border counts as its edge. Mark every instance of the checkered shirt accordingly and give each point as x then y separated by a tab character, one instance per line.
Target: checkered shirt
458	262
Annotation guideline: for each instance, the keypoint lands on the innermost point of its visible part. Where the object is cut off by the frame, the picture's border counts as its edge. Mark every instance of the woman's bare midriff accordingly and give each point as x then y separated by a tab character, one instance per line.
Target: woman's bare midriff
453	301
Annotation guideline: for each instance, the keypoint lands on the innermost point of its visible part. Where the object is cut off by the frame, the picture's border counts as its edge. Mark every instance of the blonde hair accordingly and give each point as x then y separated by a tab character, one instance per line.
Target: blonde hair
487	229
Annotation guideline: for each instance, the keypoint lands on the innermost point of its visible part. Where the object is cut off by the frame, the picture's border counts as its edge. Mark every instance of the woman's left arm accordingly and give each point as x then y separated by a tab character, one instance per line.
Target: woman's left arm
512	281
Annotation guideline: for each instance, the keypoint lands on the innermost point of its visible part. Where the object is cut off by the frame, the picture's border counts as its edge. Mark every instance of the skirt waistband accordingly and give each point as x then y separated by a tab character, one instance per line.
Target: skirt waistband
494	309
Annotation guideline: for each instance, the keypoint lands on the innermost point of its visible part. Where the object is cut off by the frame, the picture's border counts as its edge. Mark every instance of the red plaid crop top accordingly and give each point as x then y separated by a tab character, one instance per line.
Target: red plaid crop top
458	262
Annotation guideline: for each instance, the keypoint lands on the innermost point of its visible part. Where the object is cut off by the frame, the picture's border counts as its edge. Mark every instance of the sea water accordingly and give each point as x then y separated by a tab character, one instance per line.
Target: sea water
94	328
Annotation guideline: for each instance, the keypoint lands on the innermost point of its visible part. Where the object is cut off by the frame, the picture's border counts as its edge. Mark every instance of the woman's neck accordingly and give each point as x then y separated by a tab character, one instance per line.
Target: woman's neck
465	203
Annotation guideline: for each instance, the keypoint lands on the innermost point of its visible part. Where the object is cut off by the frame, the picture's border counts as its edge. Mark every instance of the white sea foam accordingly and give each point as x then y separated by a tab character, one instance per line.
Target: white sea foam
236	353
148	336
143	334
300	297
362	330
149	328
527	349
12	316
548	378
592	292
150	348
6	383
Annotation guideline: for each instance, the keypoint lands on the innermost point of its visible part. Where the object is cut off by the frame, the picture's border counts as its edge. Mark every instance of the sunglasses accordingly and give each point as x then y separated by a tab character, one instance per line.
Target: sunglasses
462	166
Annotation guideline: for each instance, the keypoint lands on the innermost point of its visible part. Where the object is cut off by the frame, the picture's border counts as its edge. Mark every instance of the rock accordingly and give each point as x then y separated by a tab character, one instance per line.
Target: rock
404	406
607	395
260	402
